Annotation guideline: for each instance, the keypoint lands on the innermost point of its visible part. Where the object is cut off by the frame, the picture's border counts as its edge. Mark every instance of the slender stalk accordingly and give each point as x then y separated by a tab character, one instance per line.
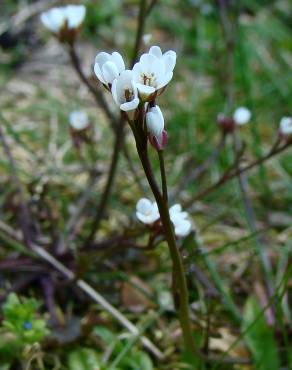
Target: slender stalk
163	176
140	30
111	175
179	284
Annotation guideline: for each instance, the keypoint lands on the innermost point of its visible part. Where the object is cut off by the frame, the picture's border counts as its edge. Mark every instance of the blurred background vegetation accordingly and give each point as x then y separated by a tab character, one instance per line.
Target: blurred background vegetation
223	257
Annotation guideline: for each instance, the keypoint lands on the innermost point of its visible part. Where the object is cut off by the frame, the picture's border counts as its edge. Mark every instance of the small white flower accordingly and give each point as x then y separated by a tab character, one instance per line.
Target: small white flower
155	122
153	71
125	92
286	126
78	120
147	211
182	226
108	67
70	16
241	116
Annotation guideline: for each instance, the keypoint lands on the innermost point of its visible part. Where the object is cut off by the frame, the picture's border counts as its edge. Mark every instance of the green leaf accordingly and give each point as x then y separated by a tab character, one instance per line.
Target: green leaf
259	337
84	359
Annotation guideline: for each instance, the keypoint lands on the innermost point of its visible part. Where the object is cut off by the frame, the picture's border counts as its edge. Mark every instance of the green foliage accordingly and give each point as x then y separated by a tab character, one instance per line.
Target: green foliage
122	355
21	325
125	356
83	359
259	337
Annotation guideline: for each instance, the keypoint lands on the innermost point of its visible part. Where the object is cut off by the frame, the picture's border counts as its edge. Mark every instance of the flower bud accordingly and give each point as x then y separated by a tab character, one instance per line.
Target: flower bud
225	123
241	116
155	126
285	128
78	120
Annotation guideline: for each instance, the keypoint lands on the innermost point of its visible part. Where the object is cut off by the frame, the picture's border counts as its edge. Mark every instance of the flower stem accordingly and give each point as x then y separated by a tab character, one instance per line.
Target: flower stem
110	179
179	284
163	176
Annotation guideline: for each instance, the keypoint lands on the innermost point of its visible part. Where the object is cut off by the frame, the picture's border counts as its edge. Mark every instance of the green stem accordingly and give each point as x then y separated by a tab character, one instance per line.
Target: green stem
180	290
163	176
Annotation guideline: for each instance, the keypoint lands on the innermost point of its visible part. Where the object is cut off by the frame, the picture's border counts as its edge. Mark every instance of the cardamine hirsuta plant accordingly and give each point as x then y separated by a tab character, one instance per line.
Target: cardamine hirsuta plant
137	85
136	92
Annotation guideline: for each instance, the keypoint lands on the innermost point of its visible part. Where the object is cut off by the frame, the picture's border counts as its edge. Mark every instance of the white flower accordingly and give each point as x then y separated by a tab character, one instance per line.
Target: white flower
78	120
153	71
70	17
107	67
182	226
155	126
125	92
286	126
241	116
169	57
147	211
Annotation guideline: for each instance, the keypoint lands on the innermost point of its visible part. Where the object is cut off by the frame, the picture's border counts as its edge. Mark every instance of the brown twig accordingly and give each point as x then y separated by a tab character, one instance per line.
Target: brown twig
140	30
229	174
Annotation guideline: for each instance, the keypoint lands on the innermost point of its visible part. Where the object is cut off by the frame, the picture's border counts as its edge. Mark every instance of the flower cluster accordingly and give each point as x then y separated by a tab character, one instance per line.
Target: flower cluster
147	212
139	86
64	22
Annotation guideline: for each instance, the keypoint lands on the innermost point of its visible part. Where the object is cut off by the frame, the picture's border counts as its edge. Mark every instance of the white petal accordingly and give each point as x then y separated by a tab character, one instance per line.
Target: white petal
175	208
114	92
119	61
53	19
183	228
102	58
147	62
145	90
98	73
109	72
169	59
124	82
165	80
144	205
146	219
131	105
156	51
75	15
